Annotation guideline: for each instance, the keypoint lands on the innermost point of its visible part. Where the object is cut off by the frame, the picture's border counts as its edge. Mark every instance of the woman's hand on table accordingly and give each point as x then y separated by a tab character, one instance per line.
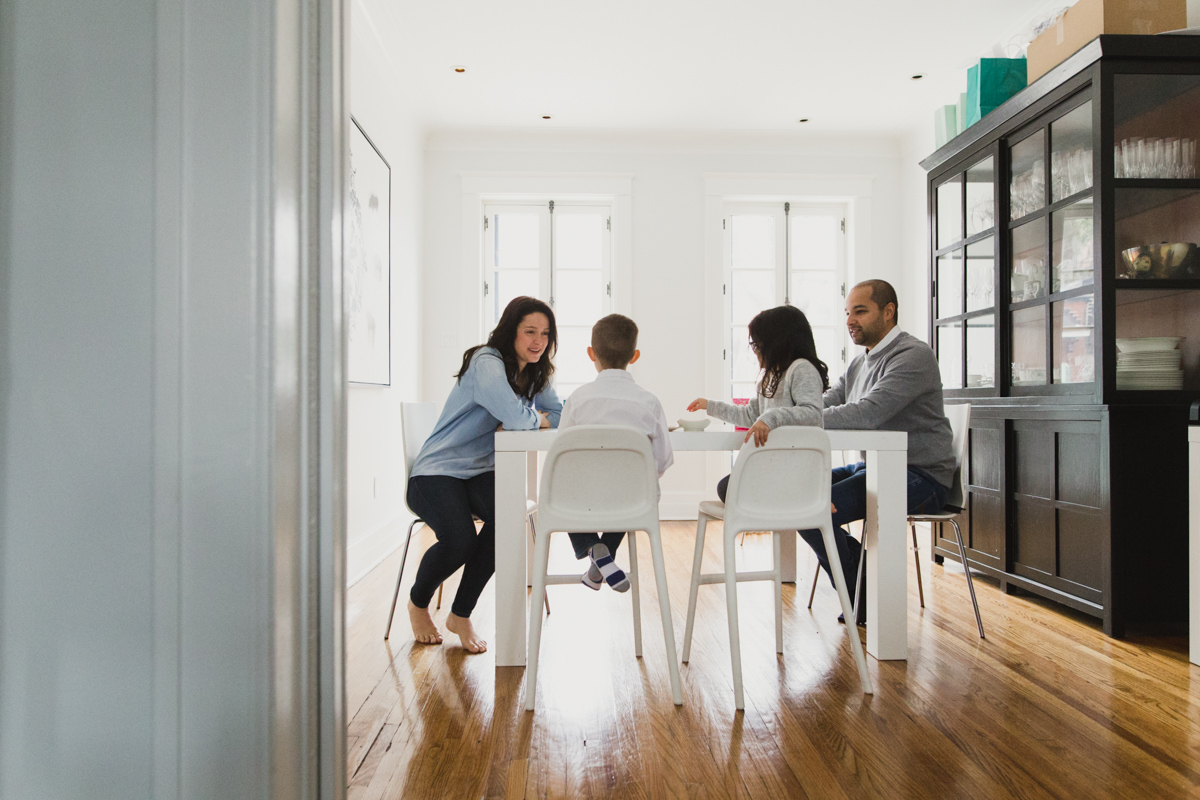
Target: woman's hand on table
759	431
543	422
699	404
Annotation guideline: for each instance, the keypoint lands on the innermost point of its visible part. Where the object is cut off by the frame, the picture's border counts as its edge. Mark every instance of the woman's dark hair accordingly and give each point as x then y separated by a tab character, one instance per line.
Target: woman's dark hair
535	377
780	336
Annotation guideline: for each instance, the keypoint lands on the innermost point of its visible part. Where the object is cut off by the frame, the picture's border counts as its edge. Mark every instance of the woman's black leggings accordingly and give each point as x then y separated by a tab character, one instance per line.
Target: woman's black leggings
449	506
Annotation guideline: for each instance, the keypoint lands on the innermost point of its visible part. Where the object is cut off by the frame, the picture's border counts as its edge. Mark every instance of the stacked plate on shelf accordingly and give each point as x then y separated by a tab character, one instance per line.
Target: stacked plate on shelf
1149	363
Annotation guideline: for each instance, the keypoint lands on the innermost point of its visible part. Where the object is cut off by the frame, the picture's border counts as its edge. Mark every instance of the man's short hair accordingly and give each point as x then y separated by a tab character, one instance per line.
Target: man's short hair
614	338
882	293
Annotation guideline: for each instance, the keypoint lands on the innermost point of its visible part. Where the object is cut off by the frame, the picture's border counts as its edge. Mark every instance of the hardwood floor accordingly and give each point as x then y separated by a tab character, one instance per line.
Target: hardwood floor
1047	706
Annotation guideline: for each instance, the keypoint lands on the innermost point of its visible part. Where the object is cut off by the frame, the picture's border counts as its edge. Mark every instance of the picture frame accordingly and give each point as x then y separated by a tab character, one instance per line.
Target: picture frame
368	265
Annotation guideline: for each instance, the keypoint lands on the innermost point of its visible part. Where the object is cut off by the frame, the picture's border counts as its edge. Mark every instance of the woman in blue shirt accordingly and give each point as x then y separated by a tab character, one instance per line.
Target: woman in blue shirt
505	383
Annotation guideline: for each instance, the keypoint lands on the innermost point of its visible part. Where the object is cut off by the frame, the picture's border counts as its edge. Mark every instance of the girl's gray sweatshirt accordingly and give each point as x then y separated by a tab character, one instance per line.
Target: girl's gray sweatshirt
797	401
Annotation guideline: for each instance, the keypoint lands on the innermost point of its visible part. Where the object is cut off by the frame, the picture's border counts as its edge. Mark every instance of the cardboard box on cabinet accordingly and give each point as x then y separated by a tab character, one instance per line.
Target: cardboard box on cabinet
1087	19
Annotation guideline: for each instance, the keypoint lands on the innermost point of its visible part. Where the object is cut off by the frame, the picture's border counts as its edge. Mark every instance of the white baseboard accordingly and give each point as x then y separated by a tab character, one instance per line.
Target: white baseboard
680	505
370	549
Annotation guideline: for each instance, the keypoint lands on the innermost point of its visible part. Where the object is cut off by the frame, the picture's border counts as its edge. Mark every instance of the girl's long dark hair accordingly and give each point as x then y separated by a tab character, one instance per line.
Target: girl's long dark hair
535	377
781	335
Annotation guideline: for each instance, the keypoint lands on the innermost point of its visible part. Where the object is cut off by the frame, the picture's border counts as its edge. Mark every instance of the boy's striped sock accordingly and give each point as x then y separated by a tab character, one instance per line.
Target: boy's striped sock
613	575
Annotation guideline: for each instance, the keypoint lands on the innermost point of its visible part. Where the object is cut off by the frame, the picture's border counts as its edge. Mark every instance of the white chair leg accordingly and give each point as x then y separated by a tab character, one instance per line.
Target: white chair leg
701	525
735	645
399	576
778	582
541	557
631	537
839	581
962	553
664	607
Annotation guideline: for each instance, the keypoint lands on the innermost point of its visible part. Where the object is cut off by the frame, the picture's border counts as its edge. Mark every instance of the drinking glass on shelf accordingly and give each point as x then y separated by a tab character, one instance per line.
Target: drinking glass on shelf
1157	161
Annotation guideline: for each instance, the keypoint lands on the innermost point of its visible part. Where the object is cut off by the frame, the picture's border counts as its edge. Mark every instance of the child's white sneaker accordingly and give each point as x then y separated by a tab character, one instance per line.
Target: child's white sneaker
593	578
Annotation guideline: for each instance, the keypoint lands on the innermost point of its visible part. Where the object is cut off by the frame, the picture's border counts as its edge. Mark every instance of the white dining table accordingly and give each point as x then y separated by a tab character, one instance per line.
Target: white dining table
887	550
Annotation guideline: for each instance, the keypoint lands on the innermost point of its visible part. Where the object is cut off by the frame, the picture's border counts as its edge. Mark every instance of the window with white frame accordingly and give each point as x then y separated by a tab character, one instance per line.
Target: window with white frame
560	252
782	253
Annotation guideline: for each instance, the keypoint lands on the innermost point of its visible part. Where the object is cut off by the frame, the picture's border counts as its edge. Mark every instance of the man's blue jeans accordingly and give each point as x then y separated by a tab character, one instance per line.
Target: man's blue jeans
849	495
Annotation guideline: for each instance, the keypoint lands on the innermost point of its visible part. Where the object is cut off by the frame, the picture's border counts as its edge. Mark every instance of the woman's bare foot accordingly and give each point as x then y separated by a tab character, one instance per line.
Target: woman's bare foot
466	632
424	630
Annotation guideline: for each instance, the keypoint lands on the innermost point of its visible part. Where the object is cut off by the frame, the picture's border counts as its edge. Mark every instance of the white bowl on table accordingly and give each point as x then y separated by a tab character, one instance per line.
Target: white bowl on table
693	425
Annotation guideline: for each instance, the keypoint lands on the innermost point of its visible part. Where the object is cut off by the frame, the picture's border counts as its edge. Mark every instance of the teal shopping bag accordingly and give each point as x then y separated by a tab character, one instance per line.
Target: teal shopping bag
990	83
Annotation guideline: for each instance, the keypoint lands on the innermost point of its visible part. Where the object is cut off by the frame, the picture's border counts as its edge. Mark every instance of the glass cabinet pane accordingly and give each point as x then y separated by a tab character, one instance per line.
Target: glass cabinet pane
950	284
1029	346
1156	126
1027	187
1156	232
981	351
949	212
981	274
981	202
1071	153
1072	250
1028	272
950	354
1074	340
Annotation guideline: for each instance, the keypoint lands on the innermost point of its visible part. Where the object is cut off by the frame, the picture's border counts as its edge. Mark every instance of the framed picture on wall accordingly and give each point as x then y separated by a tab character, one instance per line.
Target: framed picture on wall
368	263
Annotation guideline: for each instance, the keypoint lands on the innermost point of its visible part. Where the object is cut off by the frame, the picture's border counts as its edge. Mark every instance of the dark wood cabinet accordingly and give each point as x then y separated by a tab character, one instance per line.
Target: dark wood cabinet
1054	312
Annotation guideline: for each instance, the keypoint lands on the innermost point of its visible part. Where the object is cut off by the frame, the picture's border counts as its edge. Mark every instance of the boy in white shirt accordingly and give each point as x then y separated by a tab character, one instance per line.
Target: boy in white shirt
614	399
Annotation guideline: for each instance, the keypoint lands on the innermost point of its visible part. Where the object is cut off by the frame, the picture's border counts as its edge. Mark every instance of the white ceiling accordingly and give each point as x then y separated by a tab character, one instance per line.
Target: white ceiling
699	65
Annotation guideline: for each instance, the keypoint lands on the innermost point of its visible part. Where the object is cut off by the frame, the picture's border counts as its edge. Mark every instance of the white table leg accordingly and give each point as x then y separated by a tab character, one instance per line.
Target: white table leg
531	489
787	555
887	556
512	544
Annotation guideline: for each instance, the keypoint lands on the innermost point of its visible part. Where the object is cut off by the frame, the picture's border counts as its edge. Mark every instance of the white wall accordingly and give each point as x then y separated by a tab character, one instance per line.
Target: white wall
375	491
668	232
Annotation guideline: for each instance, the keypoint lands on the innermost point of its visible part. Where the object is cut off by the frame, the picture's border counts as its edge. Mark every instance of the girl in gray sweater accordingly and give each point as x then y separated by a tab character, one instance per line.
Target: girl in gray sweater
790	385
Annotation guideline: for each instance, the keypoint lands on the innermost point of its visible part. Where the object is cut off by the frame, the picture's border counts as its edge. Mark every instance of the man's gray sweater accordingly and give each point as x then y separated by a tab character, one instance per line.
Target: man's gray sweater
897	387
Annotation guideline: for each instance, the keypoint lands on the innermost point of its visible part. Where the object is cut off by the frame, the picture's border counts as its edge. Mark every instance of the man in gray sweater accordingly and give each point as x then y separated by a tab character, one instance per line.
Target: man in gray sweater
894	386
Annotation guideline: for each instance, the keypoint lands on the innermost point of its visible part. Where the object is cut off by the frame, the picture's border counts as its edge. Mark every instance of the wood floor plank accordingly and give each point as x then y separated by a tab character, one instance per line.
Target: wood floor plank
1046	707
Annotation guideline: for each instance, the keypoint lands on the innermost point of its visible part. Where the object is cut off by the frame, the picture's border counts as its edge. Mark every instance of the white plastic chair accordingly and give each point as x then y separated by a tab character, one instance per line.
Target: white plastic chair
599	478
783	485
417	421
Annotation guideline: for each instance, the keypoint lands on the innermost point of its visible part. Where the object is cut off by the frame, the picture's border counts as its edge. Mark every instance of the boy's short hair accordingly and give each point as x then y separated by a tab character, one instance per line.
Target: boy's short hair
614	338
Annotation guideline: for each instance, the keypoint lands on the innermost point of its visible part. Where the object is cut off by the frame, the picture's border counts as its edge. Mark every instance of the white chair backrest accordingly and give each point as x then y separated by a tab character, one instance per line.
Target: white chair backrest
598	478
959	416
781	485
417	421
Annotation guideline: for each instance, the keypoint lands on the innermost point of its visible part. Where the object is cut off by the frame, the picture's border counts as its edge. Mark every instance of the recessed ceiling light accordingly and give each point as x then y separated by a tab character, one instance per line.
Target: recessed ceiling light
459	68
803	119
918	76
545	116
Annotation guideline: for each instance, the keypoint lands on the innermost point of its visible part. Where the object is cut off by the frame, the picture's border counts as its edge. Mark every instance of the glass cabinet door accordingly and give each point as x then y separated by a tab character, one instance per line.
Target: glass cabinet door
1051	256
1156	211
964	274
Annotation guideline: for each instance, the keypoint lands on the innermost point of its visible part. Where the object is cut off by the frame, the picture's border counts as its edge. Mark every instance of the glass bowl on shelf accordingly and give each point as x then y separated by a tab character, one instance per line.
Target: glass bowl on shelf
1166	260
